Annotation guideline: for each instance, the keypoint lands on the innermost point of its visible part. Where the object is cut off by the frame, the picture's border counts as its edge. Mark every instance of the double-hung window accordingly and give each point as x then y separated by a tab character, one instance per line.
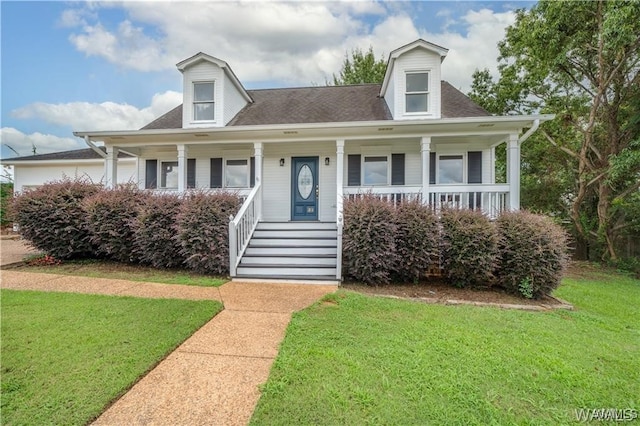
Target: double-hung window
204	101
375	170
451	169
417	92
169	174
237	174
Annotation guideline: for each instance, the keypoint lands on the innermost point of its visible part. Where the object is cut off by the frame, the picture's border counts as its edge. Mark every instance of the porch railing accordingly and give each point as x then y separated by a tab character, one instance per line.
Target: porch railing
490	198
241	227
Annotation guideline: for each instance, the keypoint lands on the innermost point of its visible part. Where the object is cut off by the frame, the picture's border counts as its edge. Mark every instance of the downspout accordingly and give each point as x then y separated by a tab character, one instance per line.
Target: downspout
91	145
532	130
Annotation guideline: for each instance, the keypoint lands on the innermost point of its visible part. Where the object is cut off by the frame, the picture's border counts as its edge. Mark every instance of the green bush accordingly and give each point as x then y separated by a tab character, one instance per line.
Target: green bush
51	218
368	240
416	240
469	247
203	230
6	194
532	253
112	214
155	231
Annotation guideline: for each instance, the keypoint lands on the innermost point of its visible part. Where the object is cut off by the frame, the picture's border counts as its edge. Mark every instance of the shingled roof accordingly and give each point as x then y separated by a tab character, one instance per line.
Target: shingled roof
76	154
324	104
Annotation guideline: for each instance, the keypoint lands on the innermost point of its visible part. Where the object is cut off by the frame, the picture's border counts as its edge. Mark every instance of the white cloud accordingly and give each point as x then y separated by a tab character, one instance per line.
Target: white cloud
24	144
477	49
103	116
293	42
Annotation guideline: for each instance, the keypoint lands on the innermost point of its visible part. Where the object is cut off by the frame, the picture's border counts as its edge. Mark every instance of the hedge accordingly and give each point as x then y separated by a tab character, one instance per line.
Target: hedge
112	214
532	253
469	247
155	232
202	228
52	219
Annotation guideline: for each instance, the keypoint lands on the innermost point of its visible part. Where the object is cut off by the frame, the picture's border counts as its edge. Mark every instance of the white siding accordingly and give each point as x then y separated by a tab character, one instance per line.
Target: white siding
277	180
31	176
232	100
389	96
202	71
417	60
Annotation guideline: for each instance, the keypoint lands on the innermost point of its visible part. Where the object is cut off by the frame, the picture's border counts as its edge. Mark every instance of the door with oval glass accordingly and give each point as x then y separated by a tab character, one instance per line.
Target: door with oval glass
304	188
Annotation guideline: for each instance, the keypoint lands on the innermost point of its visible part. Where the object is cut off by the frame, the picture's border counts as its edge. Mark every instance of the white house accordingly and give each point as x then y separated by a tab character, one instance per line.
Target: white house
295	153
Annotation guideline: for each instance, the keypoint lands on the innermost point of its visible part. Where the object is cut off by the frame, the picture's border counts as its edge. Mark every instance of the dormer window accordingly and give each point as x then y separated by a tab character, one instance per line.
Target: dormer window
417	92
203	101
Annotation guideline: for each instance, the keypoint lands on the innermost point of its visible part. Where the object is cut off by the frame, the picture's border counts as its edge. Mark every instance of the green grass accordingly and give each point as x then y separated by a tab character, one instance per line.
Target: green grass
123	271
354	359
65	357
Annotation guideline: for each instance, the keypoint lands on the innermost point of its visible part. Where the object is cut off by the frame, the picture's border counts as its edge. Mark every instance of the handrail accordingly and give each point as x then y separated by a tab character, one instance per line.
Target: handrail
241	227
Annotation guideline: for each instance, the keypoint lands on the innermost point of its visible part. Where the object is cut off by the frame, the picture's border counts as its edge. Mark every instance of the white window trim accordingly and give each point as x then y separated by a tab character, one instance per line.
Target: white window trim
429	93
224	172
194	102
465	178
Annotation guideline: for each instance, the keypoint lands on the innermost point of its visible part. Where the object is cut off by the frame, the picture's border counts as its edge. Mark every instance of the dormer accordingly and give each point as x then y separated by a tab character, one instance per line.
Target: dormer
411	85
212	94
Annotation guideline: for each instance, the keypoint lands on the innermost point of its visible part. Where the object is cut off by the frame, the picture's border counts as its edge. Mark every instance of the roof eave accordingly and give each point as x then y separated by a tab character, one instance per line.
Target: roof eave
523	120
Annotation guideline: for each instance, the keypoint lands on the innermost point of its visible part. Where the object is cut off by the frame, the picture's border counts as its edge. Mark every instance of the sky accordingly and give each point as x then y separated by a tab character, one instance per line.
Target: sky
88	66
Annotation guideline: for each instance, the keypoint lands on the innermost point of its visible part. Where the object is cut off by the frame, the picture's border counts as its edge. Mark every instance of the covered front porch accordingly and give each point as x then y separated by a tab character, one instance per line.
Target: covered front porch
303	174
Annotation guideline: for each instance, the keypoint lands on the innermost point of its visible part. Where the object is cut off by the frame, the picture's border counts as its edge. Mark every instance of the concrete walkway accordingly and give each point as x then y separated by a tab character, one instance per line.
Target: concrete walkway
213	378
13	249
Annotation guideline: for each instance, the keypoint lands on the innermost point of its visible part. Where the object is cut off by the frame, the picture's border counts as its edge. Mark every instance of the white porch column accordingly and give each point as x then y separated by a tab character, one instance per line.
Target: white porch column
425	151
339	200
513	171
257	153
339	177
182	168
111	167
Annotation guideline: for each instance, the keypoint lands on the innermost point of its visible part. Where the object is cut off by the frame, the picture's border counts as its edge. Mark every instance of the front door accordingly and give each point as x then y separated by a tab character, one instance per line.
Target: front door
304	188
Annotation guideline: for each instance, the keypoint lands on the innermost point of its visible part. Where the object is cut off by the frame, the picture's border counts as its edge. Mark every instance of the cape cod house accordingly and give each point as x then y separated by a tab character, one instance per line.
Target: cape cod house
295	153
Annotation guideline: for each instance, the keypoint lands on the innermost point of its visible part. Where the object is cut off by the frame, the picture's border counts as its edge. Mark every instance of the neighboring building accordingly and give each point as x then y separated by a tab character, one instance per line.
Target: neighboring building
32	171
294	153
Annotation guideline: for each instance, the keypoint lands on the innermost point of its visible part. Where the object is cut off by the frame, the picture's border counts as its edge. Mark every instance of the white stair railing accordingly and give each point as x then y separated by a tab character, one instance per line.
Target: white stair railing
242	226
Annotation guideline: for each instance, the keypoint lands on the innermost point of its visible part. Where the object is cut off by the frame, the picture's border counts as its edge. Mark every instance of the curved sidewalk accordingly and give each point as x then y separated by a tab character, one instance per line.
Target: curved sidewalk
213	378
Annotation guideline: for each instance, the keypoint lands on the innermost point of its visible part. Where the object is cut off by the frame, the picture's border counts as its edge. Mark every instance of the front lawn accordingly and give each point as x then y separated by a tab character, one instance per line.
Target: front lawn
354	359
124	271
65	356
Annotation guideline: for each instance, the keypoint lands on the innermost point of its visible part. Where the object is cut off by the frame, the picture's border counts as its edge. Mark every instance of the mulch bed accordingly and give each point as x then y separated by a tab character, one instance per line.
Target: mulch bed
438	291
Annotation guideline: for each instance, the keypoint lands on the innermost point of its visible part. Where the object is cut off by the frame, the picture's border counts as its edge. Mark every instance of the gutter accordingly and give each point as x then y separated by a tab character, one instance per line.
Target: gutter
94	147
536	124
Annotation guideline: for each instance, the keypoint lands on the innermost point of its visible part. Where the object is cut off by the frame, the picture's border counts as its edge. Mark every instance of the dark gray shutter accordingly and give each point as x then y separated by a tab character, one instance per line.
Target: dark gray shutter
353	170
252	172
151	174
432	168
216	173
474	166
474	175
397	169
191	173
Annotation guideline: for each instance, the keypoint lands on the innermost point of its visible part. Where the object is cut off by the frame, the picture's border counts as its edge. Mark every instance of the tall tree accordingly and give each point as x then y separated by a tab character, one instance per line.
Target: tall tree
580	61
362	67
